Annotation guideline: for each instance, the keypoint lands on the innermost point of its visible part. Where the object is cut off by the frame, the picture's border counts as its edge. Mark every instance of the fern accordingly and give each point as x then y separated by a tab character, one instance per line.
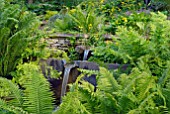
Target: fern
72	106
137	92
12	92
109	83
83	99
166	93
36	98
17	26
164	87
108	103
37	95
11	97
64	24
107	87
5	108
88	97
140	92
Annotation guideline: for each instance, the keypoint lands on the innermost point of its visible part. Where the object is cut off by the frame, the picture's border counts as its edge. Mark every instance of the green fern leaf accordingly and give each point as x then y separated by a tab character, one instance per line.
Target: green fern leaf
12	92
11	109
71	104
37	95
166	93
107	82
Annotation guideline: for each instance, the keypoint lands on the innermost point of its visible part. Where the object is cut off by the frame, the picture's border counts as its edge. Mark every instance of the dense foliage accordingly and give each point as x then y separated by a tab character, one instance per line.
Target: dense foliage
17	31
138	92
145	38
140	39
32	99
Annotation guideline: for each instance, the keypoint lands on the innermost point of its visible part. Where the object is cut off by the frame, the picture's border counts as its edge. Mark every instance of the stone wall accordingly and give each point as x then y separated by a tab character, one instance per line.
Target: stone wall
61	41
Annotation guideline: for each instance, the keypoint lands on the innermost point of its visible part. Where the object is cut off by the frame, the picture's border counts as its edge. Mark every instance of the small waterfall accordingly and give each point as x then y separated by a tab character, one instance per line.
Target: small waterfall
86	52
65	79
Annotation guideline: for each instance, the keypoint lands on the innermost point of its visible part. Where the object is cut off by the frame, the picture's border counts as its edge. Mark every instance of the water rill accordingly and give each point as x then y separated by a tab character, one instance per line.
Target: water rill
65	78
86	52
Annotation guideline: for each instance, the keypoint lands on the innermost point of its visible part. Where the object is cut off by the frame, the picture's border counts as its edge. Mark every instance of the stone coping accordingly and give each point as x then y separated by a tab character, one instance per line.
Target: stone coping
69	35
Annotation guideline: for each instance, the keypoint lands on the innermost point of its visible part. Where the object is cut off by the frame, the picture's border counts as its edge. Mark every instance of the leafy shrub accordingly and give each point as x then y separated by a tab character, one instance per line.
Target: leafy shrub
128	21
85	21
17	31
125	5
146	39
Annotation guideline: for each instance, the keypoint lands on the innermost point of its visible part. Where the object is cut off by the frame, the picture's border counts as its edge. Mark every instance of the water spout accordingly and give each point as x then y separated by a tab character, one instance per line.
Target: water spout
86	52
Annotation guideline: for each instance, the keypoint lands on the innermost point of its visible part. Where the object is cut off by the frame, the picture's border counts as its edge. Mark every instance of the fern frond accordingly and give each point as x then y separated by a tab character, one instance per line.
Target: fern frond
137	93
12	92
146	100
144	85
11	109
89	100
98	101
166	93
126	103
88	72
108	103
71	104
165	76
37	96
107	82
82	99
